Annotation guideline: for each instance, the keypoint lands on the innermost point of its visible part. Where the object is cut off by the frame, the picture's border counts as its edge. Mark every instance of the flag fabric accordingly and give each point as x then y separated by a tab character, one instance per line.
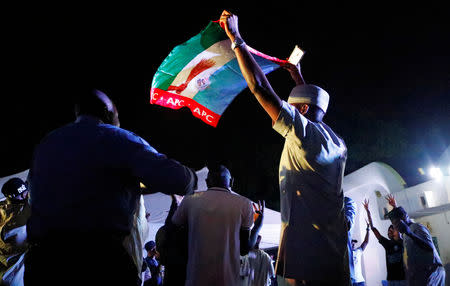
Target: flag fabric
203	74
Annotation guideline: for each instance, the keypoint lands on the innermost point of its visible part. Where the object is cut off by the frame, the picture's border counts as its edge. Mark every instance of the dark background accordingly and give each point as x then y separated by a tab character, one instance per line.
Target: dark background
386	68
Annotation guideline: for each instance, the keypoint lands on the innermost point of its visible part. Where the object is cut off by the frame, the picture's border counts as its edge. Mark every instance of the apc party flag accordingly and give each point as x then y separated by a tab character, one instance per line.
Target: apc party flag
203	74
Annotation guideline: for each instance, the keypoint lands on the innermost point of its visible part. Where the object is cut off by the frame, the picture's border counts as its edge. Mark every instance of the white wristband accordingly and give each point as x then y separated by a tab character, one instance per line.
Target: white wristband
238	42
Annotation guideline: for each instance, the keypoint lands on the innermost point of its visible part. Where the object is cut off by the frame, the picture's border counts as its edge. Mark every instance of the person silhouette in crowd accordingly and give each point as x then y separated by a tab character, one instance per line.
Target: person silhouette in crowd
219	225
358	278
393	245
256	267
422	262
311	171
84	190
14	213
172	246
153	264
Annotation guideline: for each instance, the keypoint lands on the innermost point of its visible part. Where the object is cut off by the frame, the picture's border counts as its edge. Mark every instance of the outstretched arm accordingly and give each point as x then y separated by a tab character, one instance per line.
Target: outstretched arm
421	238
254	76
247	237
295	72
369	217
176	200
366	238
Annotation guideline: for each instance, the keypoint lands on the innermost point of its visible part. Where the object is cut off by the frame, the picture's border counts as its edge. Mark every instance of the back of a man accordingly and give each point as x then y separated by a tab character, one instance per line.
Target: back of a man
421	263
313	235
214	219
313	238
14	213
84	193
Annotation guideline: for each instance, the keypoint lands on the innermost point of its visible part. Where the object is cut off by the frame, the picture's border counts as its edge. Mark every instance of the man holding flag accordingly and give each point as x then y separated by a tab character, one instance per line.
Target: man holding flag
313	242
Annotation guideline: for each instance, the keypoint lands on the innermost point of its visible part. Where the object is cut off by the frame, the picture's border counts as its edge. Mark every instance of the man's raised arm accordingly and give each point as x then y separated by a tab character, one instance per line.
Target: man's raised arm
255	77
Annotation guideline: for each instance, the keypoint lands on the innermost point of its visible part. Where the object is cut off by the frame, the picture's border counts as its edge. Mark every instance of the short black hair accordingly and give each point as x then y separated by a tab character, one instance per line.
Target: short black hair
397	213
218	176
88	103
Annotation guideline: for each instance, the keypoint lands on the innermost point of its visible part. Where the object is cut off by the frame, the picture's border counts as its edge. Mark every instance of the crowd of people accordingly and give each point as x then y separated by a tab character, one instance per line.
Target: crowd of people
80	218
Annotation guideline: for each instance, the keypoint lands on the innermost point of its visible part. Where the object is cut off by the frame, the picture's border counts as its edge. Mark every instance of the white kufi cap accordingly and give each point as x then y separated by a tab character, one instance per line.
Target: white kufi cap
310	94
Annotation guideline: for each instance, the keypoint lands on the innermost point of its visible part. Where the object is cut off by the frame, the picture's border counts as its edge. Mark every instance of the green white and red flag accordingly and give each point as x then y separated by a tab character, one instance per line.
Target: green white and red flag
203	74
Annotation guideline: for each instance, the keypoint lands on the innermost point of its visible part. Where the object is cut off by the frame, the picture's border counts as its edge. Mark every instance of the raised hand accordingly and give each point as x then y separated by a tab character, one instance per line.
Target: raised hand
295	72
366	207
229	23
259	211
391	200
366	204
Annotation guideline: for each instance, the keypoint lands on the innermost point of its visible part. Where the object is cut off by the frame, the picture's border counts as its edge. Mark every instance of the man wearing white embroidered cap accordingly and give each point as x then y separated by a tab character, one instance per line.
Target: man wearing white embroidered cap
309	94
313	242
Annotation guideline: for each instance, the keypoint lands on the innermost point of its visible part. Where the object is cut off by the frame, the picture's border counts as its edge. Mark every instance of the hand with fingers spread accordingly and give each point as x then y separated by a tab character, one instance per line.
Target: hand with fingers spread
258	220
366	205
259	212
391	200
369	216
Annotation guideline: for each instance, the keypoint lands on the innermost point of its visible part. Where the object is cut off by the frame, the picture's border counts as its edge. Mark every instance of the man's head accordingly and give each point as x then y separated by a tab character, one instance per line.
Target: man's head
219	176
398	214
393	234
310	100
96	103
150	247
15	189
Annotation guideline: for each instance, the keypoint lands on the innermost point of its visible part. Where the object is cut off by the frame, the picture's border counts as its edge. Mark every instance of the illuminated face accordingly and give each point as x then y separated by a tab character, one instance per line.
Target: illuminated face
396	235
391	231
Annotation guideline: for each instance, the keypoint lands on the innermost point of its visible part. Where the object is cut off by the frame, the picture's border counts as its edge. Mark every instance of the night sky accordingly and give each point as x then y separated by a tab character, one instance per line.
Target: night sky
387	71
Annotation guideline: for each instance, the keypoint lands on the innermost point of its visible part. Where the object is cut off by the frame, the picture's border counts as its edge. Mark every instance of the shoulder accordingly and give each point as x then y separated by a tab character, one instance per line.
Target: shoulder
56	133
192	198
245	202
419	229
124	136
417	226
337	139
289	120
265	254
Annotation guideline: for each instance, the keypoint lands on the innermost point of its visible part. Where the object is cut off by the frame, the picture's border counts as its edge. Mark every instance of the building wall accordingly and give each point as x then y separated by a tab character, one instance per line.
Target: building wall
373	260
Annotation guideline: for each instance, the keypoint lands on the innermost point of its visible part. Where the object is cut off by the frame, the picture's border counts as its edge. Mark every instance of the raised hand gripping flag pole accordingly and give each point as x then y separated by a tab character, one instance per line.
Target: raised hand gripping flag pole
203	74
